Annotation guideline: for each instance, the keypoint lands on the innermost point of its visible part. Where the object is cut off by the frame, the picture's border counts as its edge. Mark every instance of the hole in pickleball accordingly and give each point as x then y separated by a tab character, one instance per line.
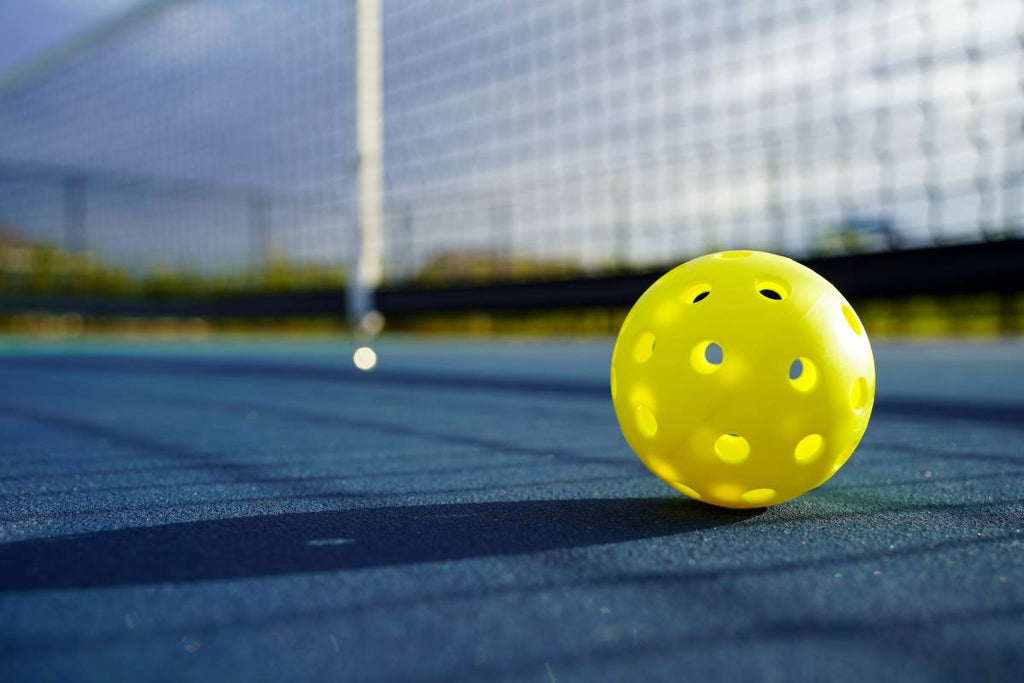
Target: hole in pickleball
803	374
734	254
686	490
706	357
796	369
696	292
851	319
758	496
859	395
713	354
646	422
772	289
644	347
732	448
809	448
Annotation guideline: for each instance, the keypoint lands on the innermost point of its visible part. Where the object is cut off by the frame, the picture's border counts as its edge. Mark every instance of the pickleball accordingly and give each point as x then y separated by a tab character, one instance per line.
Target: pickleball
743	379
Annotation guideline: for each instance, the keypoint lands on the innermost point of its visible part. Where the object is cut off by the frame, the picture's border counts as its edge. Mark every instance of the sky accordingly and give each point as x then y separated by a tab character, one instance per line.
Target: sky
31	28
586	131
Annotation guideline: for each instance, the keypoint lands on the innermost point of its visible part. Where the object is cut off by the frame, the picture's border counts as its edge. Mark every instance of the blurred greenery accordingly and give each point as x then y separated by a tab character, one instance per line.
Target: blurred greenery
43	270
919	317
46	270
448	267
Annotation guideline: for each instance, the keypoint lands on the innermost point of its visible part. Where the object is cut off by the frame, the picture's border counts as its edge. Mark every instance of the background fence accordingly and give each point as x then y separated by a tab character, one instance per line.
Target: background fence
521	137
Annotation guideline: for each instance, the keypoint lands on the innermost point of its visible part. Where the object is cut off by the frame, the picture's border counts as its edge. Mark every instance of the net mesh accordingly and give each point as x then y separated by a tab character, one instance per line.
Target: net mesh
524	137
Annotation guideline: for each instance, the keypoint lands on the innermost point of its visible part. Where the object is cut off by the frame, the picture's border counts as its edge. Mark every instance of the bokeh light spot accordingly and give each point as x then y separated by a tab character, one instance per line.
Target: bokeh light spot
365	358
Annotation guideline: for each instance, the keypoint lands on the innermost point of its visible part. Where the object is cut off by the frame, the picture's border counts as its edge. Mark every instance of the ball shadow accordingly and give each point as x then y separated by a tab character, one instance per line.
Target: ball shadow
340	540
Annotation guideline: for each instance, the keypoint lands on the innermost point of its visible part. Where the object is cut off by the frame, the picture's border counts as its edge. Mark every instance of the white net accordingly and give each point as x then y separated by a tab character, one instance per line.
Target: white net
523	137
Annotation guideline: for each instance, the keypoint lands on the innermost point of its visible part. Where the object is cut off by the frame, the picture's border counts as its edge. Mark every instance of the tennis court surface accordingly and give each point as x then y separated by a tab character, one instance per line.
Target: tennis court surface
469	511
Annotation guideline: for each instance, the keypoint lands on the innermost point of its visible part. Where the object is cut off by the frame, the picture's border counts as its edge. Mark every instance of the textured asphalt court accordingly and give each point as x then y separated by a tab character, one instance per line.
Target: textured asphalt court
262	512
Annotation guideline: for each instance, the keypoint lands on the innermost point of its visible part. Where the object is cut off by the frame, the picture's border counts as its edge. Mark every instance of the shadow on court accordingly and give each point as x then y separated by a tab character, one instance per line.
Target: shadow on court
339	540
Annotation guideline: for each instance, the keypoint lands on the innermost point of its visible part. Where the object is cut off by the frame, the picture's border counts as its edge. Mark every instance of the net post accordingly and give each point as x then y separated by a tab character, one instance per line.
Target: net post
369	150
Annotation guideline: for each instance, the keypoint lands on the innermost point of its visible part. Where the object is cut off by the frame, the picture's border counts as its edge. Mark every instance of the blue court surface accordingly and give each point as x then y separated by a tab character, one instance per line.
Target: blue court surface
469	511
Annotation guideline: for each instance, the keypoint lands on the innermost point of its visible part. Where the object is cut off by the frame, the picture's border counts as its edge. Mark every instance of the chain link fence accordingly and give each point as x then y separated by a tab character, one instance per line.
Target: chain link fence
521	137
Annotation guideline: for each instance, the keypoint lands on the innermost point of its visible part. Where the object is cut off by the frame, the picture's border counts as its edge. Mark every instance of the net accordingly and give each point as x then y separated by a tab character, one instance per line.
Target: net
522	138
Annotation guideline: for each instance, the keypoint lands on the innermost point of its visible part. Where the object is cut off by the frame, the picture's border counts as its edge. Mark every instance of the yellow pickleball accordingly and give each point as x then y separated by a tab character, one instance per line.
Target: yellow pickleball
743	379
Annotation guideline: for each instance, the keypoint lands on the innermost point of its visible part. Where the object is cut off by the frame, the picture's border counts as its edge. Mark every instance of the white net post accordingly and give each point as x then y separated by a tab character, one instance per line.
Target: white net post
369	144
